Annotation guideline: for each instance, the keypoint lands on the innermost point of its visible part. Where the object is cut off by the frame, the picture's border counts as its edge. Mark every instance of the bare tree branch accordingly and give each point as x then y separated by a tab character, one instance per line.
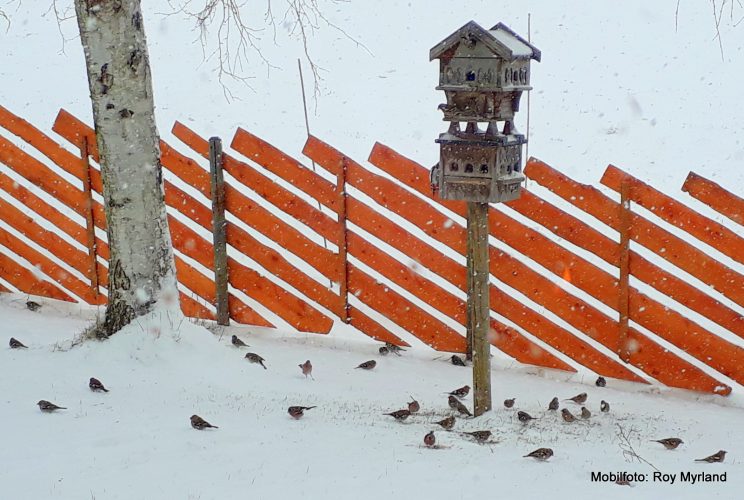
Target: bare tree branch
61	17
627	447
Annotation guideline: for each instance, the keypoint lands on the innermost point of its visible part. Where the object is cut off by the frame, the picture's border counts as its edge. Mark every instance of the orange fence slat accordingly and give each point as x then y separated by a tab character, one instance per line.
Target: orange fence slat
25	281
193	309
504	338
716	197
672	211
371	328
656	239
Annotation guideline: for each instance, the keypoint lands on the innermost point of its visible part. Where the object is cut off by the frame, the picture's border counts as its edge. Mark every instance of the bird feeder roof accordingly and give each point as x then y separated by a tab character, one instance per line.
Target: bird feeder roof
500	40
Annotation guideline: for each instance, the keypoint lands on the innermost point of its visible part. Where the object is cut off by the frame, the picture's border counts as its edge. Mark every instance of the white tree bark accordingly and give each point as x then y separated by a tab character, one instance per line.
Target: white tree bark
141	267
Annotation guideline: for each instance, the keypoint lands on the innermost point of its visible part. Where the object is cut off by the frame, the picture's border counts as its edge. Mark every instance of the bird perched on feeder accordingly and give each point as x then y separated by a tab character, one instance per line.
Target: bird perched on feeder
447	423
16	344
200	424
414	406
669	443
394	348
567	415
368	365
33	306
461	392
601	382
307	369
48	407
430	440
399	415
524	417
509	403
237	342
553	405
578	399
585	414
604	406
96	385
384	351
255	358
714	458
455	404
480	436
457	360
540	454
296	412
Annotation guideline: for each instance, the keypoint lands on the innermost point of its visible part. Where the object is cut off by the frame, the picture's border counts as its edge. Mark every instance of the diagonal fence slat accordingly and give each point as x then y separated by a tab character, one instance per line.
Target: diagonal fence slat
716	197
27	282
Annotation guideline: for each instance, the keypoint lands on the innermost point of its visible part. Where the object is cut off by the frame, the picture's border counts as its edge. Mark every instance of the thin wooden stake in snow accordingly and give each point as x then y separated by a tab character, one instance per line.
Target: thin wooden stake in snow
90	226
219	227
623	295
343	243
479	348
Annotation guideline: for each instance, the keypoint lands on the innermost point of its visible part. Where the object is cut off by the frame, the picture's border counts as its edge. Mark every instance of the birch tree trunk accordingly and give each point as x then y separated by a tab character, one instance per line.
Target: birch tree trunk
141	267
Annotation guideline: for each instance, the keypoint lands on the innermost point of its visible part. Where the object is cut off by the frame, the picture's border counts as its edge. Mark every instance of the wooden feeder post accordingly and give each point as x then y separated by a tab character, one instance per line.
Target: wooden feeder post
483	74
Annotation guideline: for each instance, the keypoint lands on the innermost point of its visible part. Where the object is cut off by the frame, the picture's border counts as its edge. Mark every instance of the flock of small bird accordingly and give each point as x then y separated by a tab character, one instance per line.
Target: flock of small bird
413	407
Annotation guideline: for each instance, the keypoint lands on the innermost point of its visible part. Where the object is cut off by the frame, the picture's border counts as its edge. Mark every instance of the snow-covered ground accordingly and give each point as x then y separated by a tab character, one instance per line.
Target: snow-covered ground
136	440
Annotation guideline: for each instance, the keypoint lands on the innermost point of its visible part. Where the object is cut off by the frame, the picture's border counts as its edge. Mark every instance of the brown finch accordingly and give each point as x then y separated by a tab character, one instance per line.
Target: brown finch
480	436
567	415
96	385
455	403
368	365
553	404
394	348
399	415
669	443
307	369
200	424
414	406
601	382
585	414
16	344
384	351
461	392
237	342
296	412
541	454
604	406
457	360
523	416
716	457
255	358
48	407
33	306
430	440
508	403
578	399
447	423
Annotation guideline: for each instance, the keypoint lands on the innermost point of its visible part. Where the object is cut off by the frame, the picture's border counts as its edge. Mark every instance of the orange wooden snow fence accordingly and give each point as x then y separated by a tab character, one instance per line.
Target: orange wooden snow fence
372	248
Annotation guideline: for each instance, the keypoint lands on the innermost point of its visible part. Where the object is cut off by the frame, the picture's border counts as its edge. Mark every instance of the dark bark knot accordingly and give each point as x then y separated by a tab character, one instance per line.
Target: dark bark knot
119	204
137	20
126	113
106	79
135	58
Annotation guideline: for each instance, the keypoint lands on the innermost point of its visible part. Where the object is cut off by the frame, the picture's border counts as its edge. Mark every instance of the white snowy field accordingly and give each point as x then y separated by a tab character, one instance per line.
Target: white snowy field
136	441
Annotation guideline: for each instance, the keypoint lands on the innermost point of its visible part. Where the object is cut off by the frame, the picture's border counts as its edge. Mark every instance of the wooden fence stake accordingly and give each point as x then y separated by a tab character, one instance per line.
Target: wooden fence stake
623	286
90	226
478	305
343	243
219	227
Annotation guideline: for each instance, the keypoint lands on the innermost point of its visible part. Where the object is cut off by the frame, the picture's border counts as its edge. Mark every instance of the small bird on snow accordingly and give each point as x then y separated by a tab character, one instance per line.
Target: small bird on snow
33	306
384	351
523	416
461	392
307	369
578	399
509	403
394	348
255	358
455	404
430	440
200	424
480	436
237	342
567	415
541	454
553	404
399	415
296	412
601	382
16	344
585	414
447	423
604	406
714	458
96	385
414	406
457	360
368	365
669	443
48	407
